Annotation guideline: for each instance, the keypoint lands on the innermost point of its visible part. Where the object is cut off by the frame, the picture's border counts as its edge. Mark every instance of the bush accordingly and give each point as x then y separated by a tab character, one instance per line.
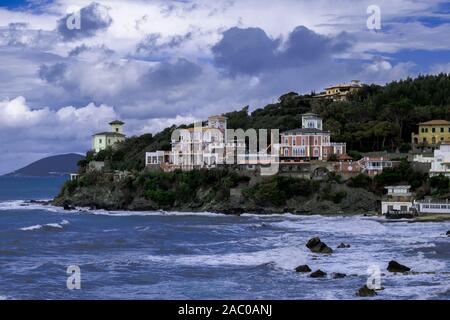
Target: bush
277	190
360	181
440	184
161	197
70	186
355	155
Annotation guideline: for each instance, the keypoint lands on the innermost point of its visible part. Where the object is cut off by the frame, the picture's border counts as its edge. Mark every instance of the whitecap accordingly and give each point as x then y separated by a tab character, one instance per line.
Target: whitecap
48	226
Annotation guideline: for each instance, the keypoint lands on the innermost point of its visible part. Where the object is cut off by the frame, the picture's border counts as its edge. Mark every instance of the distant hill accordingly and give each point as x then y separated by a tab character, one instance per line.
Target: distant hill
52	166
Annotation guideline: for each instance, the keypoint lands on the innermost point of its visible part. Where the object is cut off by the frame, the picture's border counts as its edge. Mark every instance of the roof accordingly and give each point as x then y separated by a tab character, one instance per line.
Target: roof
311	114
353	84
434	122
344	157
399	187
117	122
220	117
305	131
109	134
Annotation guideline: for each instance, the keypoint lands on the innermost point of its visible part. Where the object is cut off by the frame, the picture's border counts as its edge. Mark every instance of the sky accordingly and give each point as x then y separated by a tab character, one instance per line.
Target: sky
68	67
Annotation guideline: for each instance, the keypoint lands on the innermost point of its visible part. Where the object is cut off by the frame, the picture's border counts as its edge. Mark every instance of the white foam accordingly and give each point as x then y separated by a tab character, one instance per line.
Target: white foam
46	226
285	258
26	205
150	213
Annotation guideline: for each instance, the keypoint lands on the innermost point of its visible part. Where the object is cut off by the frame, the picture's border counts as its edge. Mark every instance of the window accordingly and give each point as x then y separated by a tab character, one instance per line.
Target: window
109	141
286	152
99	140
294	141
442	129
426	130
433	130
422	130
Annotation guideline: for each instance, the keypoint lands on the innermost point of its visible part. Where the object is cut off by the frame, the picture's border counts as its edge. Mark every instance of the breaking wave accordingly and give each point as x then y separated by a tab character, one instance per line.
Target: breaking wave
47	227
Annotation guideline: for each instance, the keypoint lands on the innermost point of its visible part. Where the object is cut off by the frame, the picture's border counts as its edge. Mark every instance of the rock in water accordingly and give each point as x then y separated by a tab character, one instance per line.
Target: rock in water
343	245
315	245
337	275
318	274
394	266
448	233
365	291
303	268
67	206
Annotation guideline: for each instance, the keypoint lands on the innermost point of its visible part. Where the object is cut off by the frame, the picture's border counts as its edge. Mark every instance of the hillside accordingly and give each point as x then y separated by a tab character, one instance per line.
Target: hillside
377	118
51	166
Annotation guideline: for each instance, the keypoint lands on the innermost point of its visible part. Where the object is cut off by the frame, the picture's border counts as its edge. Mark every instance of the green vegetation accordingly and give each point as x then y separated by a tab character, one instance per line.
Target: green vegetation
440	185
167	189
277	190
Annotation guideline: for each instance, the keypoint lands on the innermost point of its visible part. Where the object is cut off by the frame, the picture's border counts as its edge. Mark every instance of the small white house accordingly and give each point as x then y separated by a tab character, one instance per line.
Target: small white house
399	199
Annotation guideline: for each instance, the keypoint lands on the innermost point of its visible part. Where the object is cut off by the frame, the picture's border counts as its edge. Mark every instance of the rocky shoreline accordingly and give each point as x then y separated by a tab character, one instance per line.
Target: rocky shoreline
106	197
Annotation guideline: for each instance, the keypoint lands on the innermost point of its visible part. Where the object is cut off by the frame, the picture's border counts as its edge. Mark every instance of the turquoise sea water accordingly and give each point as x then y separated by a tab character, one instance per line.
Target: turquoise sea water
158	255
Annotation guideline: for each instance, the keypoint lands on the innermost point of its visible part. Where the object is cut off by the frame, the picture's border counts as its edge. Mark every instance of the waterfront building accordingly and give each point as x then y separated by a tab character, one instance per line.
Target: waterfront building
399	200
431	135
430	206
103	140
340	92
310	142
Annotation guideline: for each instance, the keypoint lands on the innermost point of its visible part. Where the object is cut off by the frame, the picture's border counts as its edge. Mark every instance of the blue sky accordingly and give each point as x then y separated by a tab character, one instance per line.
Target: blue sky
154	63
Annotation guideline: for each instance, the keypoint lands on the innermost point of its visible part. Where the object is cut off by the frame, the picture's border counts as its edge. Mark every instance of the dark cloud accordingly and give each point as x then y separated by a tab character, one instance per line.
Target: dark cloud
171	74
84	48
152	46
94	18
247	51
53	73
251	51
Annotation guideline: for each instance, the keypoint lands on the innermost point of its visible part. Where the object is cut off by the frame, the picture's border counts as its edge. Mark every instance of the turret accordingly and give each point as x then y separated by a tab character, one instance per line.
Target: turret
117	126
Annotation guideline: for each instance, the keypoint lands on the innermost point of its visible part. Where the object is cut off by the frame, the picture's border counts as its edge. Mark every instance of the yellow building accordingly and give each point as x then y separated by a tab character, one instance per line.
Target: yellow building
431	134
339	92
103	140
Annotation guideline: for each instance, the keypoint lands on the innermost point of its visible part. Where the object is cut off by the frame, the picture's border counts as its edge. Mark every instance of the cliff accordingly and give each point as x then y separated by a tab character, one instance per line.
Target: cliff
218	190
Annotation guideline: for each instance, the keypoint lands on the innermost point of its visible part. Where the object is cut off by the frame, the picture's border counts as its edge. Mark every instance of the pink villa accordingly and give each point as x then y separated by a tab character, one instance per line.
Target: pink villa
310	142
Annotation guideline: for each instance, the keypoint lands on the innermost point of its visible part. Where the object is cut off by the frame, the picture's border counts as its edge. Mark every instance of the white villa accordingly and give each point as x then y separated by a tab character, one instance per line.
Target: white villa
103	140
199	147
440	162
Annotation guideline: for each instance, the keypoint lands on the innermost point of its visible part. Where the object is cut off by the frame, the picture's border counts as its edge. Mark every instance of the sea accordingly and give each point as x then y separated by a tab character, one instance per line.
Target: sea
49	253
